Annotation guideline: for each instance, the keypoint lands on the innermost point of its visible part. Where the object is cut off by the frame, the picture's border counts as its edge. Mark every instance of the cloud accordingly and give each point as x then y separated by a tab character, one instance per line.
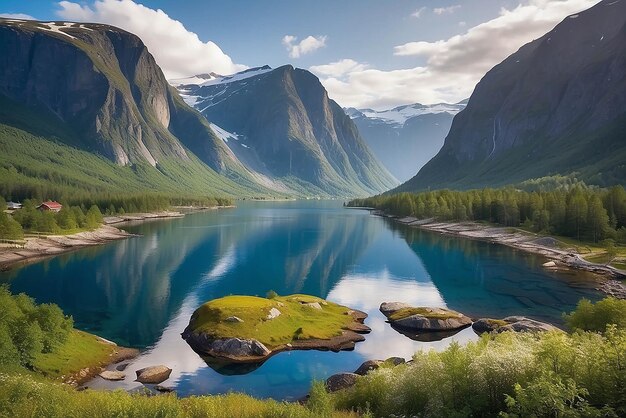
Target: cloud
419	12
452	66
338	68
305	46
446	10
20	16
178	52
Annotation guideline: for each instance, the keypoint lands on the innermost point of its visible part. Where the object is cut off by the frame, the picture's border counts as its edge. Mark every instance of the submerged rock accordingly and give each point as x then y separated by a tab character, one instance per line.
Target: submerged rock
340	381
112	375
153	374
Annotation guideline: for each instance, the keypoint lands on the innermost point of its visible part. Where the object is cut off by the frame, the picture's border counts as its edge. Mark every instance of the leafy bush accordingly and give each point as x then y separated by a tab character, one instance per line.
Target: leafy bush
27	329
596	317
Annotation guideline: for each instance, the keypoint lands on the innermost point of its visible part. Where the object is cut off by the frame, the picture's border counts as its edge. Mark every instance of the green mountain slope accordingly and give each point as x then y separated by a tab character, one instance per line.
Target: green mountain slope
97	89
555	107
282	124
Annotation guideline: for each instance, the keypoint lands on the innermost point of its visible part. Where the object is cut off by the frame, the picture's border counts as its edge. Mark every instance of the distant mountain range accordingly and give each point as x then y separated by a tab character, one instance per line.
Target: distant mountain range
281	124
95	91
556	106
406	137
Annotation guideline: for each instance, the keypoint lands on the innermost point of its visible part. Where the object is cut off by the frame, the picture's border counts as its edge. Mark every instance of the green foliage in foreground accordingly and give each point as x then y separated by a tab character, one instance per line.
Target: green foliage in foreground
27	330
22	396
596	317
593	214
296	321
553	374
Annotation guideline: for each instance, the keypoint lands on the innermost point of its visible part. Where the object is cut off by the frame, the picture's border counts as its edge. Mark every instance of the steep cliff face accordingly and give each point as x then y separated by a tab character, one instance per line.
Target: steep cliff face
101	90
556	106
282	124
406	137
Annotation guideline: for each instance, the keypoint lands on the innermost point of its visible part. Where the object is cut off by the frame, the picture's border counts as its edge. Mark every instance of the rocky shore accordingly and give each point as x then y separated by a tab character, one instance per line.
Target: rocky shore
41	247
612	283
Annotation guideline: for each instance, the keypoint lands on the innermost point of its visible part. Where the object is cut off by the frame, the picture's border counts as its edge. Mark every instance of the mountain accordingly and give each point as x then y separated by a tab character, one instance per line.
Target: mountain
281	124
556	106
406	137
96	89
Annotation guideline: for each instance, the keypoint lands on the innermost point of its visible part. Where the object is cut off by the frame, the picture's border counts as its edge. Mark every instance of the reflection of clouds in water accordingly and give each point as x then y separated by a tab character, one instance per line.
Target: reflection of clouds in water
365	292
171	350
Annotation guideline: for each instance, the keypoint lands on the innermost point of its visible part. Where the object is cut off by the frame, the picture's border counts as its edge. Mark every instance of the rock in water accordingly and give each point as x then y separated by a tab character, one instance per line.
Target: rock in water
511	323
153	374
423	318
388	308
112	375
340	381
368	366
237	347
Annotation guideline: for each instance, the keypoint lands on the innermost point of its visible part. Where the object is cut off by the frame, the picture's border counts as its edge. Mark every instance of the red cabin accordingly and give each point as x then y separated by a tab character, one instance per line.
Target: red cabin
51	206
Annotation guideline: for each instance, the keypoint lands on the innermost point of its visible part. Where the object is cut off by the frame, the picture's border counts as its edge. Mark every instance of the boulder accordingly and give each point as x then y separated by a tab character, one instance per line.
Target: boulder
511	323
314	305
274	313
395	361
368	366
340	381
237	347
112	375
153	374
121	367
388	308
522	324
424	318
549	265
487	325
233	319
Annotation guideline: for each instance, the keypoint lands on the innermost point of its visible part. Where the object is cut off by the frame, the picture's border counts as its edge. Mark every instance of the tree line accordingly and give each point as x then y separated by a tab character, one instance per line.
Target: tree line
87	212
581	212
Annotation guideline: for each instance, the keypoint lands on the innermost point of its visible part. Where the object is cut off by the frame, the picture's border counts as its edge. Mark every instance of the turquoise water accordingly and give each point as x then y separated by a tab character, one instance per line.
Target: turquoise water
141	292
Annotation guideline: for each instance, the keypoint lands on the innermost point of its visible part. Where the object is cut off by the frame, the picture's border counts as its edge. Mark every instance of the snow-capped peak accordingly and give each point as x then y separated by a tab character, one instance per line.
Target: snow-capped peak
213	78
399	115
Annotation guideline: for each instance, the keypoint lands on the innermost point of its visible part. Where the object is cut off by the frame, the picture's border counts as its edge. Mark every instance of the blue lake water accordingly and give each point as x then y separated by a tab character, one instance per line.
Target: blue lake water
141	292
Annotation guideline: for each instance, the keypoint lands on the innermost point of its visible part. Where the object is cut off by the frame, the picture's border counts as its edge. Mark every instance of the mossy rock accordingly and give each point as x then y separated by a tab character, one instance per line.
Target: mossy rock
261	334
423	318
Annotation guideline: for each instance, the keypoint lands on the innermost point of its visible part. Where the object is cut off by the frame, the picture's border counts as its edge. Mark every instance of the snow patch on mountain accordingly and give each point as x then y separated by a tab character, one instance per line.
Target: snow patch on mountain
210	79
223	134
399	115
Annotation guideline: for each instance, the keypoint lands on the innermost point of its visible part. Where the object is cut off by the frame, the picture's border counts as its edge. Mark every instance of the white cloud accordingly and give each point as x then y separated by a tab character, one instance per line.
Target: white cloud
446	10
338	68
178	52
452	66
20	16
305	46
419	12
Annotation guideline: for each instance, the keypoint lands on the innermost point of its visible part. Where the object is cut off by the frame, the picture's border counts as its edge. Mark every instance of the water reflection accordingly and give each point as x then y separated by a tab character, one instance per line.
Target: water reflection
141	292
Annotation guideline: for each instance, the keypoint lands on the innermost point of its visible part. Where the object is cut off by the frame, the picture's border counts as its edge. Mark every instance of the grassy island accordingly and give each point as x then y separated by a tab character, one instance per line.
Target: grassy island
278	323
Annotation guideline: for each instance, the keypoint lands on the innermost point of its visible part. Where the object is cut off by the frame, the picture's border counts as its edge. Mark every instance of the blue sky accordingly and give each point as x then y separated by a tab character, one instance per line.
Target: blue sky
367	53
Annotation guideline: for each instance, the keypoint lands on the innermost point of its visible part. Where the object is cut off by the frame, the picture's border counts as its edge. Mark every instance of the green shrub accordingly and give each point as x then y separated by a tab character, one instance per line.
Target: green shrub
596	317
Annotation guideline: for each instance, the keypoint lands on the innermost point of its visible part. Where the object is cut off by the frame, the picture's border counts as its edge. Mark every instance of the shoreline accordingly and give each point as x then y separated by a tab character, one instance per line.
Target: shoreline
545	246
47	246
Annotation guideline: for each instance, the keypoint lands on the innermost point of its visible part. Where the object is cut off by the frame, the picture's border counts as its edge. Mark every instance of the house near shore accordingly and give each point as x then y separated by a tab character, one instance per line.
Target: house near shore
14	206
51	206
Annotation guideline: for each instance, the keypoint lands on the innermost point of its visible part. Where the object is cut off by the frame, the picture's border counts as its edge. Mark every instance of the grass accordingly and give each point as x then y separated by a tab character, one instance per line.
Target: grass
406	312
297	320
81	350
25	396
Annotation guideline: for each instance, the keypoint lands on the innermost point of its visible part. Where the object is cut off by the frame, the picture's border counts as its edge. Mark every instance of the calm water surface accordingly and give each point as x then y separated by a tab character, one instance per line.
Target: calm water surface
142	291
